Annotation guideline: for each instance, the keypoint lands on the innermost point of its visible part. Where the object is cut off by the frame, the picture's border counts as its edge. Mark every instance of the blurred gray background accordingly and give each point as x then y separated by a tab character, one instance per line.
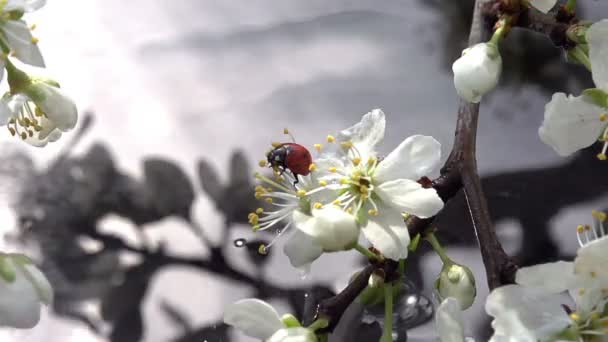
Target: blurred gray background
186	80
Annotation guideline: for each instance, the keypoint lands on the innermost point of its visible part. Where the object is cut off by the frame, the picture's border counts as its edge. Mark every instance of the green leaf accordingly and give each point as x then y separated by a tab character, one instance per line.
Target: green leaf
290	321
597	96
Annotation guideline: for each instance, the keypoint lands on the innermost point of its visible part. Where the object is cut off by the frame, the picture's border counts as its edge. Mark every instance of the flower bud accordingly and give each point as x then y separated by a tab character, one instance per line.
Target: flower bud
477	71
293	334
456	281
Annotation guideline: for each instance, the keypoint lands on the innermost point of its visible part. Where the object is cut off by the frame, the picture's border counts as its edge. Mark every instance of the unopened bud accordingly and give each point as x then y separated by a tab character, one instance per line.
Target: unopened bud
456	281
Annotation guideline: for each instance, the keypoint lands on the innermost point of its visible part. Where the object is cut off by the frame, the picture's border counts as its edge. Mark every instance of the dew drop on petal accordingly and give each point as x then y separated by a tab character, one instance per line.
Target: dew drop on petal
240	242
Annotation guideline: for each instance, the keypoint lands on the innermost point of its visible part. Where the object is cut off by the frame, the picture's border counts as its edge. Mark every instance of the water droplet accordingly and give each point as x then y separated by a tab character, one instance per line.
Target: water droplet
304	271
306	295
240	242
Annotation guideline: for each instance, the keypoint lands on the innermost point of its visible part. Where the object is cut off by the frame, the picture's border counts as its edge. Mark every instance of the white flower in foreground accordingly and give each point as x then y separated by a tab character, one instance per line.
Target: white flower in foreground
256	318
477	71
379	192
543	5
16	34
531	311
448	320
457	281
572	123
23	288
38	113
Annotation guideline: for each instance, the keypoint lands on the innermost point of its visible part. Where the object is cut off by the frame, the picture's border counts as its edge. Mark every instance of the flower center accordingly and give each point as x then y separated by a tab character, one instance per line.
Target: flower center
587	233
26	121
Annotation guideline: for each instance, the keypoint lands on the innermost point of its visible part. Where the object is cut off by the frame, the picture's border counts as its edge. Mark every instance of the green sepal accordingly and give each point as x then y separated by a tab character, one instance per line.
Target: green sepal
7	270
15	14
597	96
290	321
414	243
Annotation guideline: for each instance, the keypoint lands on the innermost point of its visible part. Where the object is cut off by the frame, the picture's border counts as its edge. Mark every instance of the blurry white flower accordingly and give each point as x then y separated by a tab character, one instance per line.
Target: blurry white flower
256	318
477	71
16	34
379	192
38	113
543	5
23	288
448	320
572	123
531	310
457	281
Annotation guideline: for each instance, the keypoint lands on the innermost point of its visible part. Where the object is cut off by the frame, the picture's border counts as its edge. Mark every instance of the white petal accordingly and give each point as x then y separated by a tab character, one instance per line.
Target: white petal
297	334
570	123
543	5
477	71
527	313
366	134
59	108
19	302
553	277
40	282
20	40
597	38
23	5
302	249
387	233
588	300
254	318
592	257
448	320
32	5
415	157
410	197
5	112
332	228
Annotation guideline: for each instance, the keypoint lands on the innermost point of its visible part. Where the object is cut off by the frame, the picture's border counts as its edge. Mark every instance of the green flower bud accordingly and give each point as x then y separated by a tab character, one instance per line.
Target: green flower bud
456	281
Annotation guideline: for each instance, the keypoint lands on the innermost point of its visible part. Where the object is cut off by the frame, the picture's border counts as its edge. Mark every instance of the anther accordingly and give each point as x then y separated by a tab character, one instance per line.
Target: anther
346	144
12	130
336	202
35	40
599	215
262	249
318	147
262	163
30	133
580	229
333	169
33	27
372	212
601	156
323	182
603	117
331	138
343	180
275	144
301	193
259	211
318	205
356	161
285	131
312	167
23	135
269	200
574	316
371	161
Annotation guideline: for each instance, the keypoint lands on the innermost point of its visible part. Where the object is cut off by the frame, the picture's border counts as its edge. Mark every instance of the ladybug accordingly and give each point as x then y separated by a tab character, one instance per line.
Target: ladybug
292	157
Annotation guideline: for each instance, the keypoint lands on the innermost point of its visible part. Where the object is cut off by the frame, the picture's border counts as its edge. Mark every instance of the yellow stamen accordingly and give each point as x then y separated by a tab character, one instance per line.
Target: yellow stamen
599	215
603	117
262	249
318	205
580	229
601	156
269	200
12	130
331	138
285	131
33	27
23	135
356	161
301	193
372	212
259	211
312	167
346	144
318	147
344	180
336	202
349	210
574	316
262	163
322	182
371	161
253	218
35	40
333	169
275	144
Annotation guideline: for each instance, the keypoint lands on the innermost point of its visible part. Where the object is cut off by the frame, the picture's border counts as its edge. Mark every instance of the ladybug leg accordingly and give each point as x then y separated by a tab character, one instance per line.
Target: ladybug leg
296	180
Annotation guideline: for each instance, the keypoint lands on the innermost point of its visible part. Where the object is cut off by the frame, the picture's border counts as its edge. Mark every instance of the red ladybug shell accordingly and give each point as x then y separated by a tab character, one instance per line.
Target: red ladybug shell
298	159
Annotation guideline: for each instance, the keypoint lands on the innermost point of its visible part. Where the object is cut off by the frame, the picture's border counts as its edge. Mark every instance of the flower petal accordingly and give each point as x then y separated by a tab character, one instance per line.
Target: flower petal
20	40
23	5
588	300
332	228
527	313
597	38
366	134
301	248
297	334
40	282
477	71
570	124
591	260
5	112
415	157
254	318
58	107
552	277
410	197
448	320
387	233
543	5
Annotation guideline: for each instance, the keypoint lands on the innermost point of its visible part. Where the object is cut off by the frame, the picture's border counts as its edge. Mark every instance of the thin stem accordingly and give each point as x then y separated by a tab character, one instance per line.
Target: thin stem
580	56
387	334
432	239
366	252
320	323
499	33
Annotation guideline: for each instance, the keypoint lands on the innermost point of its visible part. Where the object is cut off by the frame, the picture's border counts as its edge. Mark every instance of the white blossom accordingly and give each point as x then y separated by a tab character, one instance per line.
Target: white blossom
378	192
38	114
543	5
457	281
572	123
477	71
23	288
15	32
449	323
258	319
531	310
